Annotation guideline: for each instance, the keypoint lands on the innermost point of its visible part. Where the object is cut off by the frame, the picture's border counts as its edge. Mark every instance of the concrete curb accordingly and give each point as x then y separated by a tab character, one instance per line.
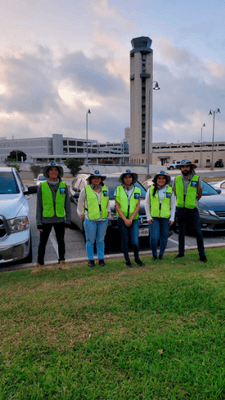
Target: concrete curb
118	256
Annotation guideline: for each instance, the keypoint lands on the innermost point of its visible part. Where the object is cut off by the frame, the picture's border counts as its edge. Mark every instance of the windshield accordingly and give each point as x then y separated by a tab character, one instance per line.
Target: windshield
8	183
42	178
208	190
112	183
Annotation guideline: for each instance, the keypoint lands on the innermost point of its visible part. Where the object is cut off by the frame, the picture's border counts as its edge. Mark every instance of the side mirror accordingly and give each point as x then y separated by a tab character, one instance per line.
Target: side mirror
30	190
218	191
76	195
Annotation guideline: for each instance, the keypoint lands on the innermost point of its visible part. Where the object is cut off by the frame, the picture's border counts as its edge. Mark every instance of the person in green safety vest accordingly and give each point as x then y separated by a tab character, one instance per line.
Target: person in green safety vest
160	205
53	210
127	204
188	190
93	208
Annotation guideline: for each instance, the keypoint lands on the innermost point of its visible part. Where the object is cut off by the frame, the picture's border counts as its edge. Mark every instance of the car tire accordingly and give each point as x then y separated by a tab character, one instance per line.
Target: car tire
29	257
170	168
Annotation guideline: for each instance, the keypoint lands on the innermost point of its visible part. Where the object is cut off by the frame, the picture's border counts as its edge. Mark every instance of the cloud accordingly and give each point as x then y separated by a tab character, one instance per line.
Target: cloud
90	75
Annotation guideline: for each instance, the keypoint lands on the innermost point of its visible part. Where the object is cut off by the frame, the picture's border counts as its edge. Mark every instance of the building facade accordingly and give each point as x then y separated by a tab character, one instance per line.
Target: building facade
141	73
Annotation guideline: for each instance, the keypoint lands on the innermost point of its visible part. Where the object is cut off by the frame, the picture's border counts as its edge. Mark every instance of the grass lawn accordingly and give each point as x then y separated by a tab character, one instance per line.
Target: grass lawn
115	333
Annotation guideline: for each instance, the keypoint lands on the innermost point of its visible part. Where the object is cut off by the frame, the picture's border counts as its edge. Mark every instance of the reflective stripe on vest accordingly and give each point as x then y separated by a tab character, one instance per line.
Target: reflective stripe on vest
122	199
160	210
191	195
47	200
93	204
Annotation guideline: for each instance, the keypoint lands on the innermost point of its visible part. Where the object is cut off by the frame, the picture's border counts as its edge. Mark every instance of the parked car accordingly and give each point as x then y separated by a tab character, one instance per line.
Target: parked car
15	235
147	183
111	182
219	163
219	186
211	209
173	165
41	178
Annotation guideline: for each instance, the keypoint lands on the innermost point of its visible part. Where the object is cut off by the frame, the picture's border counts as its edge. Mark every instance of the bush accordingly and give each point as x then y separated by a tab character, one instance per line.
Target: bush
14	166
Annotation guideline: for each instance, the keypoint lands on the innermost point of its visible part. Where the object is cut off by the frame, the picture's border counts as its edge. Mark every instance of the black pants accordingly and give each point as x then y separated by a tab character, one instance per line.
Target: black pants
184	216
59	232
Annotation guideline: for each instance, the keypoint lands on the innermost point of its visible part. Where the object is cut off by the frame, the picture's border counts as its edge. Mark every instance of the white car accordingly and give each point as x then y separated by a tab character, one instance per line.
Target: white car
15	235
41	178
219	185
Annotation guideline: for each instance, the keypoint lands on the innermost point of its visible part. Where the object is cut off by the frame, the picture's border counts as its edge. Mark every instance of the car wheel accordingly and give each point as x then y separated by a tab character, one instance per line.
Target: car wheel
29	258
170	168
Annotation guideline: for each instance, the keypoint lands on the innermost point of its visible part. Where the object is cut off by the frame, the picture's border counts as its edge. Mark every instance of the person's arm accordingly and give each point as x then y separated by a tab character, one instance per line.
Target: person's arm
147	207
39	209
172	209
117	206
81	204
199	189
67	210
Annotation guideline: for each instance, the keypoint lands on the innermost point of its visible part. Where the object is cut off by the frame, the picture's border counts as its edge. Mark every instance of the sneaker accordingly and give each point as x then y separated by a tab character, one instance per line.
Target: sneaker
101	262
179	256
37	269
63	265
139	263
128	264
154	258
203	259
91	263
160	257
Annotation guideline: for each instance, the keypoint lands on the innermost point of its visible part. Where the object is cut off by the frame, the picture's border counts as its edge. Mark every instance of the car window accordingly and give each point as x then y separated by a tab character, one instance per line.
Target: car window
8	184
208	190
112	183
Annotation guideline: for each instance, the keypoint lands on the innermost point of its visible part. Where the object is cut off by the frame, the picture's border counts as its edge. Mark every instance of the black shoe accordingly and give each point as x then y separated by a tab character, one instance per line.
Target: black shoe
101	263
154	258
139	263
160	257
203	259
179	256
91	263
128	264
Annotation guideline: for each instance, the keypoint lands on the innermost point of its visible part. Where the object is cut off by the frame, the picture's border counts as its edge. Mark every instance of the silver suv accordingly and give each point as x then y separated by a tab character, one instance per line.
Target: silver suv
112	181
15	236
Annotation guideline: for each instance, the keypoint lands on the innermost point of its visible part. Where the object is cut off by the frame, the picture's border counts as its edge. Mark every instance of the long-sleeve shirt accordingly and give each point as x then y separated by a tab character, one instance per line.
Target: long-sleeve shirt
161	193
46	220
82	205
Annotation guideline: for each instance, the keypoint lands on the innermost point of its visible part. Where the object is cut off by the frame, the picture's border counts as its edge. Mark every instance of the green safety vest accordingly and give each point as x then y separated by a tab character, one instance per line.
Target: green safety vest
47	200
93	207
160	210
126	208
191	195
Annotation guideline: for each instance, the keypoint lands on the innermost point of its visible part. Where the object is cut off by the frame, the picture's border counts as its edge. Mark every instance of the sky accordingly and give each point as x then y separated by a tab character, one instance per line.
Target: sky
59	58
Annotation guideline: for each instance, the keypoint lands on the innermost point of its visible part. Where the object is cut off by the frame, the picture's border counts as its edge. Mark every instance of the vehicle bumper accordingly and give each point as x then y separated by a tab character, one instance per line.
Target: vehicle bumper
13	249
212	224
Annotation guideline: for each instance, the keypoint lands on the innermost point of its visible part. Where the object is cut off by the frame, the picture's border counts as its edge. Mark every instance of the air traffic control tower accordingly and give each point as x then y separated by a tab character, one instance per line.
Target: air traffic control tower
141	72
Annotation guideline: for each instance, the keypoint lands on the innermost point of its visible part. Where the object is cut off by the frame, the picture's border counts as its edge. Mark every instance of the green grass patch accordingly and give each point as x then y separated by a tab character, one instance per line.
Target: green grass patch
115	333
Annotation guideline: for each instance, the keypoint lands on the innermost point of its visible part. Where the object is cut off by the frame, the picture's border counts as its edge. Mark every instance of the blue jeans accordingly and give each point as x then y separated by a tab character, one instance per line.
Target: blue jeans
133	231
95	230
159	230
185	215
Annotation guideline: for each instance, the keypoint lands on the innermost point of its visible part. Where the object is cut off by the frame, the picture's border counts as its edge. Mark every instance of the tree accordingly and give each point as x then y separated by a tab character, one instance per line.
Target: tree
73	165
16	155
36	169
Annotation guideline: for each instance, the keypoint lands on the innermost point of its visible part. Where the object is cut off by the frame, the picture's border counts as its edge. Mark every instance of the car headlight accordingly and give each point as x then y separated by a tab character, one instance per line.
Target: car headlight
18	224
202	211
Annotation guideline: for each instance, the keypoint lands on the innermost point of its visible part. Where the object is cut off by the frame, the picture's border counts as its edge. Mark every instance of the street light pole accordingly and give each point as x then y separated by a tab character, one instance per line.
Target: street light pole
211	112
201	147
149	149
88	112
